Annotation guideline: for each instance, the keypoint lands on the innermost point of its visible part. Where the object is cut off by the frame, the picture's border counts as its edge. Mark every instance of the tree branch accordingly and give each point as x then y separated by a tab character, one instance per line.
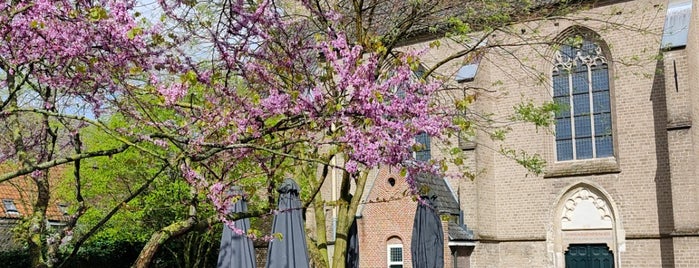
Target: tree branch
109	215
56	162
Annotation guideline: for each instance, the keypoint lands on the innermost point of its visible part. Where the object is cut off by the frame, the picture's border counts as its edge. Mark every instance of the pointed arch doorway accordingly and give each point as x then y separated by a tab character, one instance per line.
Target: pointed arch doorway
586	230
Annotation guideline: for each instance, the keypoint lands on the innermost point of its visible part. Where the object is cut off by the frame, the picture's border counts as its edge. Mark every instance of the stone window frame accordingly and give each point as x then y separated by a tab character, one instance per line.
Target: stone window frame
557	245
589	166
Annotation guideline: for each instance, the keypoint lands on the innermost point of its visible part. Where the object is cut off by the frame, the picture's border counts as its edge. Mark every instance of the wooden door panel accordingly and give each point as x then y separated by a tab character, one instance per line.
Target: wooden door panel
589	256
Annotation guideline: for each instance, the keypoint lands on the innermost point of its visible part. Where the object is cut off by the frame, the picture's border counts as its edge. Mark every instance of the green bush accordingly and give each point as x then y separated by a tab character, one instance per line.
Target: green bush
14	258
119	254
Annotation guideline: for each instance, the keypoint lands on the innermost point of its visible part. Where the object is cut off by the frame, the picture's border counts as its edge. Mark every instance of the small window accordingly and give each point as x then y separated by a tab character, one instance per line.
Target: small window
395	256
334	229
677	23
419	71
422	150
10	207
468	71
63	208
392	182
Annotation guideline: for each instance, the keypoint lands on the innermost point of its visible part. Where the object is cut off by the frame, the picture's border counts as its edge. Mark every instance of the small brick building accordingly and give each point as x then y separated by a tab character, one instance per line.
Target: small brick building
385	221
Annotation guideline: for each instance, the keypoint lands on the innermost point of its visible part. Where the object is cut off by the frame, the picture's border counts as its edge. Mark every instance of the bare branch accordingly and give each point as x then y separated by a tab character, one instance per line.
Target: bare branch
56	162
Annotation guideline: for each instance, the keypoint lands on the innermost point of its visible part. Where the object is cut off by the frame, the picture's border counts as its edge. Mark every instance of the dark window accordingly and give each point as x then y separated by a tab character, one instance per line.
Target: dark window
422	149
63	208
10	207
581	90
392	182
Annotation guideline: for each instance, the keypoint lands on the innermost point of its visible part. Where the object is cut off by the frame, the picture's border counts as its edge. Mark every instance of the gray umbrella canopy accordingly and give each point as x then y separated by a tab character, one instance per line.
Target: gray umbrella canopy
291	250
427	245
236	250
352	256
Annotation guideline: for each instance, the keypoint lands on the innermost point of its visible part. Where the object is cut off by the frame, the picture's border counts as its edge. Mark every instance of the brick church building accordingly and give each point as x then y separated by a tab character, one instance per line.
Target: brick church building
621	183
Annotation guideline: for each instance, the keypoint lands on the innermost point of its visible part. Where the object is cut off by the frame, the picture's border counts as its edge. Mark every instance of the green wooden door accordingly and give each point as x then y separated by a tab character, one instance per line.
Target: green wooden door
589	256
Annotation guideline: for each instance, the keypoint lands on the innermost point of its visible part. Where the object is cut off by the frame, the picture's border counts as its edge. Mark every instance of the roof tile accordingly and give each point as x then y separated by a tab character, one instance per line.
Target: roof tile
22	191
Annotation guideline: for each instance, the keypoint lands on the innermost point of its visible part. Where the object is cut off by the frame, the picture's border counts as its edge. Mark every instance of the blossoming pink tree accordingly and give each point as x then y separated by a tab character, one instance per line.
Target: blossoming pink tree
274	87
270	86
54	55
223	93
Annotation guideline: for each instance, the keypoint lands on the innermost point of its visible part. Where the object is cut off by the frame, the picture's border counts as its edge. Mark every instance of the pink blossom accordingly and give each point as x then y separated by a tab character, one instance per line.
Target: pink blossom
173	92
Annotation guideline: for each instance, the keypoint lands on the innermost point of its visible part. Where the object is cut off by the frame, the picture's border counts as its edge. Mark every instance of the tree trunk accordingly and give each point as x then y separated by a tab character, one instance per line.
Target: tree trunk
321	243
160	238
171	231
346	214
37	226
37	220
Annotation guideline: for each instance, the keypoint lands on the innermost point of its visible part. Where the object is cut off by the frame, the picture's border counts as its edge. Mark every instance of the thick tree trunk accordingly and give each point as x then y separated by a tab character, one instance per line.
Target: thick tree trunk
321	243
37	225
347	210
37	220
160	238
171	231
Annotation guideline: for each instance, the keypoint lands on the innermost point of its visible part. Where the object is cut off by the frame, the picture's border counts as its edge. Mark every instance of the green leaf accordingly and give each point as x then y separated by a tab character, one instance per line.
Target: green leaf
189	77
97	13
136	31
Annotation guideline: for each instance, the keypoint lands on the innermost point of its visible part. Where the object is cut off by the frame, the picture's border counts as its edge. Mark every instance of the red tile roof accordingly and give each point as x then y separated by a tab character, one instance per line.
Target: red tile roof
22	192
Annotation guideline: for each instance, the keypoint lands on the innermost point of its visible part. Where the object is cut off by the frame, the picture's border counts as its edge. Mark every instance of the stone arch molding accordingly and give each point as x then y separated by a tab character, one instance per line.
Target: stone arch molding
585	32
583	213
584	209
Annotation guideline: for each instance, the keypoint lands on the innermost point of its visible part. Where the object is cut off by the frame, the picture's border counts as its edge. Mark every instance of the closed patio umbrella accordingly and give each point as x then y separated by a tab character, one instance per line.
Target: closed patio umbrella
290	251
352	257
427	245
237	250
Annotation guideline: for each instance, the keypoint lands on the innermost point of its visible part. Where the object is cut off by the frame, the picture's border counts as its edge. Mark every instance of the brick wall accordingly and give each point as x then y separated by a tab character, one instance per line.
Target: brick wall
651	184
652	180
388	213
387	218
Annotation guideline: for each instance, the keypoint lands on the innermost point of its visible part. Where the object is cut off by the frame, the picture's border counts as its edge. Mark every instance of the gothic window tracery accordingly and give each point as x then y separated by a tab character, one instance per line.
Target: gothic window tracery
581	85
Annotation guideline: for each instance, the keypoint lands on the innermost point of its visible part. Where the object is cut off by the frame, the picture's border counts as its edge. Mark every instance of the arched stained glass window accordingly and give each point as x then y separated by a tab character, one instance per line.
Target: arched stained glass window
581	89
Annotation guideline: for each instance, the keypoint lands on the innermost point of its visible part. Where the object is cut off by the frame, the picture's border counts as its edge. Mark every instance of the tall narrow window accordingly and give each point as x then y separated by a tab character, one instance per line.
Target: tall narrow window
395	256
581	90
422	152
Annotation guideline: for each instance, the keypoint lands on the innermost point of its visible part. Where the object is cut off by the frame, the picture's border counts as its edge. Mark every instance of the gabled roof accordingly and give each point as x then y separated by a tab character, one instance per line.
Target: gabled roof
22	192
459	233
446	202
428	17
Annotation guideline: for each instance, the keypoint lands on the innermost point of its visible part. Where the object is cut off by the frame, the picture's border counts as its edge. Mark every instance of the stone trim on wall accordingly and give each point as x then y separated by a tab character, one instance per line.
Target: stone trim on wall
596	166
583	213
